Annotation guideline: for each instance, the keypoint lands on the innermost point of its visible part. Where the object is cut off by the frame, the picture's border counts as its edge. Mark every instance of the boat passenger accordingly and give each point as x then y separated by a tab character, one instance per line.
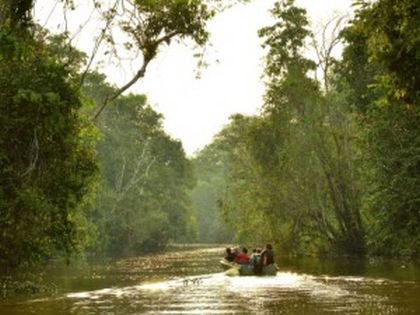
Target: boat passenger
253	256
267	255
242	257
254	250
229	255
235	251
256	261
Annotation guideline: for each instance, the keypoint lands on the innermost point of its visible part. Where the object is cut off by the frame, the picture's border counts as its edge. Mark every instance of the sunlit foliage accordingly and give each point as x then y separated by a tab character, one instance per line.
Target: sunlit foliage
331	167
142	200
47	157
383	45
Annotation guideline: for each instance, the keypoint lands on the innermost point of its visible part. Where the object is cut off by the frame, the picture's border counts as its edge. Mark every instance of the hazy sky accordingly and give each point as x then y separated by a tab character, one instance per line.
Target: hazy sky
196	109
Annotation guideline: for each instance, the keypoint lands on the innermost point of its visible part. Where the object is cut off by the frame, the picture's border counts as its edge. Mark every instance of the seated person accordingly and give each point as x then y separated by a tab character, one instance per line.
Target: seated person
229	255
256	261
253	256
267	255
242	257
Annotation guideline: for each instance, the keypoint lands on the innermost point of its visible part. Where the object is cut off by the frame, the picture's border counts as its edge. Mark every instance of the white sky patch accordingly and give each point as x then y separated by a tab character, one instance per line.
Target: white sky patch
196	109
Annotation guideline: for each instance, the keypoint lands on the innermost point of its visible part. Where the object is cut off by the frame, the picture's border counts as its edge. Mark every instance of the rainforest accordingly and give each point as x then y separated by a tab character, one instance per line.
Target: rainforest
329	168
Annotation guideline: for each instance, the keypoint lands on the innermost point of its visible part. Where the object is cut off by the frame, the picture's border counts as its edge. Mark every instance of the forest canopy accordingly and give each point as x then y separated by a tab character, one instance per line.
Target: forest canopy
83	167
331	165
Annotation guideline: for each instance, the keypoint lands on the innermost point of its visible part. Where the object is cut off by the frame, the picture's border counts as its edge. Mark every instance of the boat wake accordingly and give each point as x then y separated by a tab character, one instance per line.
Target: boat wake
287	293
219	285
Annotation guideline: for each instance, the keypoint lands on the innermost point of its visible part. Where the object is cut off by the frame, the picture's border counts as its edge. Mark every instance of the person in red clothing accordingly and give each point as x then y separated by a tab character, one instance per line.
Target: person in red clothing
242	257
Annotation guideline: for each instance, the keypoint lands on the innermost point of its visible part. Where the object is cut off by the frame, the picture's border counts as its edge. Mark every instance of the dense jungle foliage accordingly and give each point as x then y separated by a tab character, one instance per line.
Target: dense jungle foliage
331	165
83	167
141	200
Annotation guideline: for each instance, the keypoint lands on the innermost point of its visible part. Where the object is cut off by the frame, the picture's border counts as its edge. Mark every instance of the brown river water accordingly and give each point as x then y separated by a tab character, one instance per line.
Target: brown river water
190	281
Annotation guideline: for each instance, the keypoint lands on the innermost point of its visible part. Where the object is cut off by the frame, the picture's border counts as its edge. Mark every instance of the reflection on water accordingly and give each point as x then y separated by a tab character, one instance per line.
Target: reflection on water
188	283
218	294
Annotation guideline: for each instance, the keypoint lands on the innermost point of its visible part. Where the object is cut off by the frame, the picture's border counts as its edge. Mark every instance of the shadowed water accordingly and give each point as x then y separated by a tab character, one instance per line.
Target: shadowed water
191	282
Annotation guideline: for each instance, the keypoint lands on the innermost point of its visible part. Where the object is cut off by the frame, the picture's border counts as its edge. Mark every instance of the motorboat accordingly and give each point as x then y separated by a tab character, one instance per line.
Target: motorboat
235	269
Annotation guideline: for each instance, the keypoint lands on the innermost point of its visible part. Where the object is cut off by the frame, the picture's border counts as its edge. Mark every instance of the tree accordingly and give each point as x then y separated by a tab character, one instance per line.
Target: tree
142	200
210	167
148	25
383	39
47	157
15	13
292	173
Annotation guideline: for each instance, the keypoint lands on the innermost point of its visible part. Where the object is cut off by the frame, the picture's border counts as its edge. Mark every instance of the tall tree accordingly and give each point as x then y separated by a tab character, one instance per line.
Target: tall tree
300	175
384	39
142	200
47	158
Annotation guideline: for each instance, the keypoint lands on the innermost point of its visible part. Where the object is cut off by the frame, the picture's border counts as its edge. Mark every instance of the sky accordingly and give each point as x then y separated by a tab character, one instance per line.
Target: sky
195	109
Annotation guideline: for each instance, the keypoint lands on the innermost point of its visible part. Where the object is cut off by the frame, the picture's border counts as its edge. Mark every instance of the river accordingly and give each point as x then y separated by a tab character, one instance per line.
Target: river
190	281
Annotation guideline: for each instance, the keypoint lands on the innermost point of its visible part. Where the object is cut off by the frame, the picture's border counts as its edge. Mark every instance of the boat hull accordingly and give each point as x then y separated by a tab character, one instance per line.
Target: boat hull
234	269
